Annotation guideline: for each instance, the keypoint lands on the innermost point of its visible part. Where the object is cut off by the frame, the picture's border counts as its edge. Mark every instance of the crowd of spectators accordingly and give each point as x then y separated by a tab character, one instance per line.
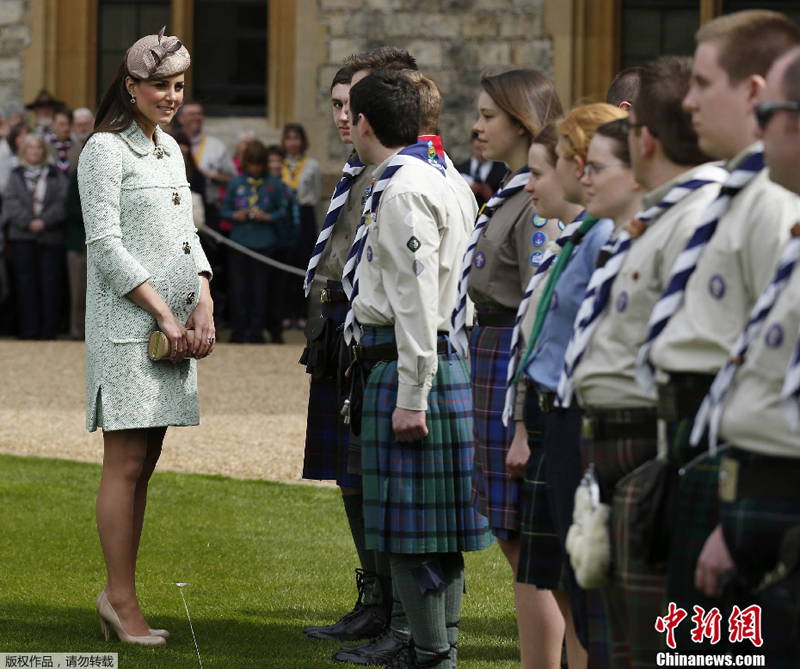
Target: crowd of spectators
260	197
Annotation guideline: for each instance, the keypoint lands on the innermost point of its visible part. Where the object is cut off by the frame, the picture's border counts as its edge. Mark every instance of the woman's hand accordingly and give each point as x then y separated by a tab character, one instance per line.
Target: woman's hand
518	452
202	320
36	225
240	214
261	216
176	333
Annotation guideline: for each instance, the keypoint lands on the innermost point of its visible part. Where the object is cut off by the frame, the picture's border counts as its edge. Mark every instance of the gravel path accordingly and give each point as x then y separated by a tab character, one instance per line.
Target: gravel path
253	403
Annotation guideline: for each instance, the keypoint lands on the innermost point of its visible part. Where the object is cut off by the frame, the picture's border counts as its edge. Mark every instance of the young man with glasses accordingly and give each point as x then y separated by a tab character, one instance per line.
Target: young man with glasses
759	498
718	276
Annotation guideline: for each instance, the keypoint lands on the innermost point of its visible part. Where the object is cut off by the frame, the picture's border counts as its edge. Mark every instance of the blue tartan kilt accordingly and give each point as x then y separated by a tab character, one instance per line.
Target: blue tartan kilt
327	436
417	497
495	494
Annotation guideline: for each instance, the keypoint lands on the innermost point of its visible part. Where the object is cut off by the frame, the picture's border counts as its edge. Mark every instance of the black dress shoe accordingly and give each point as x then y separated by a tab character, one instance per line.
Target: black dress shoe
363	622
378	651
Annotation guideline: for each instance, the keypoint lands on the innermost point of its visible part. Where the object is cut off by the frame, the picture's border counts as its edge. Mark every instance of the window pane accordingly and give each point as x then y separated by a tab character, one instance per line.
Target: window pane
652	28
120	24
229	61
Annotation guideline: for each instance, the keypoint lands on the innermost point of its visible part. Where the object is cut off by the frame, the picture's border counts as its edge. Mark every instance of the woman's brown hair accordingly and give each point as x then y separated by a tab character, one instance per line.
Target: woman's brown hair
576	131
182	139
116	112
527	96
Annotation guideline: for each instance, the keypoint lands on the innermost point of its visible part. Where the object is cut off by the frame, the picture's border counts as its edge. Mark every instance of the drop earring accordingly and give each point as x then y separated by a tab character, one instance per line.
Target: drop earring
133	100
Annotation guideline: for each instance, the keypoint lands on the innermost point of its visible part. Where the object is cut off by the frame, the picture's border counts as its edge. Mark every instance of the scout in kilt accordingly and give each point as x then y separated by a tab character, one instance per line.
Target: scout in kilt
753	406
397	632
717	278
505	249
327	437
416	427
556	305
620	431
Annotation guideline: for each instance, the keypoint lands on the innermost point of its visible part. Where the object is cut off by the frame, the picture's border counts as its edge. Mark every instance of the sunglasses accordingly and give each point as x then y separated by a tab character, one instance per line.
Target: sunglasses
764	111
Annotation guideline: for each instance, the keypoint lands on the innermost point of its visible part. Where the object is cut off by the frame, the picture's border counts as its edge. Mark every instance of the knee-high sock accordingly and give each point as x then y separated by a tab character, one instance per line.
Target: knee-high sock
423	593
383	593
453	570
399	621
354	508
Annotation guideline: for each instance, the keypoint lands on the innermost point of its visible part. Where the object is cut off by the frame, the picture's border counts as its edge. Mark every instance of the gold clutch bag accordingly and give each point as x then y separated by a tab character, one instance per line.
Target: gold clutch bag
158	346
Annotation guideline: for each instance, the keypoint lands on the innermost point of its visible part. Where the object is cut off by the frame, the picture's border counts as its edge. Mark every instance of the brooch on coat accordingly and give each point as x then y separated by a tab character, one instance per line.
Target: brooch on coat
159	152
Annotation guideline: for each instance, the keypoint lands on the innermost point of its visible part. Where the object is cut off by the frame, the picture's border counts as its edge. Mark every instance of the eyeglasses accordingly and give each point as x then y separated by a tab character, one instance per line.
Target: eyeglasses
764	111
596	168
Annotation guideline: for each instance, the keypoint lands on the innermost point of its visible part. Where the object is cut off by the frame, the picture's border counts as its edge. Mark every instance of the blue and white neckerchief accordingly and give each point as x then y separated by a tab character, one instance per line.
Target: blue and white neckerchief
710	413
790	393
599	289
687	261
458	319
351	170
421	151
548	259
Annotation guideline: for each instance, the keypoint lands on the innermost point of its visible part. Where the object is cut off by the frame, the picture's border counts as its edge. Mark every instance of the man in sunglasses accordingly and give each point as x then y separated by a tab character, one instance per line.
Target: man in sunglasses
718	277
759	499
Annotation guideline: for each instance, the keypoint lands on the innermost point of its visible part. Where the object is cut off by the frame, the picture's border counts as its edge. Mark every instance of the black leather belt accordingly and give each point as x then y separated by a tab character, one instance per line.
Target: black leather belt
762	478
681	398
388	351
641	425
497	319
332	295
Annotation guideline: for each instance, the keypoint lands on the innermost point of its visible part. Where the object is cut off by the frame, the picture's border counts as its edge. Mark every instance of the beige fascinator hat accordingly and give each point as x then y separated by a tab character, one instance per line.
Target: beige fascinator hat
157	57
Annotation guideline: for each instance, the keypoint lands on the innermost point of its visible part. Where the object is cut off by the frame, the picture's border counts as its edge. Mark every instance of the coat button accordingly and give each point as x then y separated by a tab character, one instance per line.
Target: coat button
190	298
176	199
186	248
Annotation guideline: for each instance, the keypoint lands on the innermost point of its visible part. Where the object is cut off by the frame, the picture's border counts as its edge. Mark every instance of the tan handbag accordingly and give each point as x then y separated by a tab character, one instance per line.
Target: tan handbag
158	346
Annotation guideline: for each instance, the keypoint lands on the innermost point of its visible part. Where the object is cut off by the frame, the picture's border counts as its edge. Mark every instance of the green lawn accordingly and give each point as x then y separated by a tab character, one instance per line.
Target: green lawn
263	559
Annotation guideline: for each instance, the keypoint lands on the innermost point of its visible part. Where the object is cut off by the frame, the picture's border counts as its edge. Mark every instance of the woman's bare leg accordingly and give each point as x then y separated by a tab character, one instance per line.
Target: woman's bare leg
539	620
124	455
577	656
155	439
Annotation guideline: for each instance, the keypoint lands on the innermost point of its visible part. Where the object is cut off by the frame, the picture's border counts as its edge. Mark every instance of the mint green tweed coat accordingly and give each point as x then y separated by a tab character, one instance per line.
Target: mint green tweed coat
137	209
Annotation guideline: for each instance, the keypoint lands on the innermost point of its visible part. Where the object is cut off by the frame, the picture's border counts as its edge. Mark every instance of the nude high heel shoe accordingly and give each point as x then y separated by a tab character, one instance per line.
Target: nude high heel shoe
153	632
109	619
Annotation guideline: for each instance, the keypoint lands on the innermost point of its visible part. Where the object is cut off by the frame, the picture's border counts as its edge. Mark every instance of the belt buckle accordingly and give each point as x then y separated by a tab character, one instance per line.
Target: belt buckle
728	479
324	295
542	403
357	352
589	424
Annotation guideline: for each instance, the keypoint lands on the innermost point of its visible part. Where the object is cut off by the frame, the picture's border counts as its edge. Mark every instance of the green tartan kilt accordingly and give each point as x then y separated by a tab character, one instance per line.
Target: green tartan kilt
417	496
633	600
695	517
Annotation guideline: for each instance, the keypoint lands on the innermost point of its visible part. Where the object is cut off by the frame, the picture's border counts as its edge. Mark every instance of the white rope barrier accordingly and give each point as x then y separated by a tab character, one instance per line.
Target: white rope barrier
249	252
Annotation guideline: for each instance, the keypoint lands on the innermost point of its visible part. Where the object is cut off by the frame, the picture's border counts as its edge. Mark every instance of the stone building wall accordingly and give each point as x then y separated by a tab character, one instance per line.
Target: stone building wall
454	42
14	37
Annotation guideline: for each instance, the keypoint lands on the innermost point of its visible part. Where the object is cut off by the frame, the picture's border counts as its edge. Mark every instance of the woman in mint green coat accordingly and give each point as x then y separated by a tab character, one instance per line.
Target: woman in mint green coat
146	272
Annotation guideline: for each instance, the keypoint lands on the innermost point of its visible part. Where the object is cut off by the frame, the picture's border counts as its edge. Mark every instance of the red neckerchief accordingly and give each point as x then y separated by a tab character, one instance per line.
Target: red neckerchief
437	143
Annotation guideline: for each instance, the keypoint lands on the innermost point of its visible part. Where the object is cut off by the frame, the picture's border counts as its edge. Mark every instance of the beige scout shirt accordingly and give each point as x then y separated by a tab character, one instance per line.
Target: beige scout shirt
605	377
331	264
736	266
413	290
508	253
753	419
